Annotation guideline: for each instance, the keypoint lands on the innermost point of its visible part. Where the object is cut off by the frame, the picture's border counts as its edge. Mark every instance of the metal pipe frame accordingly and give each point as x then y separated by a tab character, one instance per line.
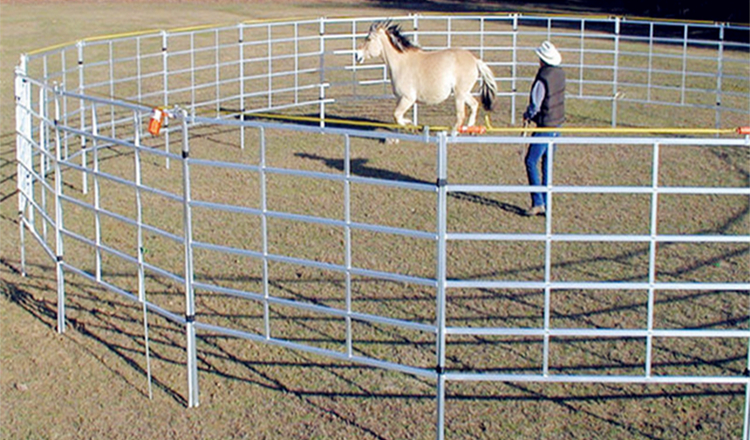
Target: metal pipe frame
105	119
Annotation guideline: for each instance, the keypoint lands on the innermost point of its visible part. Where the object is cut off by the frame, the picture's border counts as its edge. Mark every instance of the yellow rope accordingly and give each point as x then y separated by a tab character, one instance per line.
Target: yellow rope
121	35
520	130
196	28
608	130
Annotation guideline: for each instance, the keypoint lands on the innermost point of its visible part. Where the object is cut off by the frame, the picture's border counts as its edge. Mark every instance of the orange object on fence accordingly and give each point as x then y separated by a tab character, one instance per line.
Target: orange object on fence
157	119
743	130
474	129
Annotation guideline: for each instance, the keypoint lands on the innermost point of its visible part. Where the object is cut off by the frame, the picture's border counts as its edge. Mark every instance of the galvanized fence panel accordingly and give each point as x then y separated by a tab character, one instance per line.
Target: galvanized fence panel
82	108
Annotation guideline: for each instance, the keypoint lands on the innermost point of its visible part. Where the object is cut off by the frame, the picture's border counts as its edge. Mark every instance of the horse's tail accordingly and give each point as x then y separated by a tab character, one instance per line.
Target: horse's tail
488	89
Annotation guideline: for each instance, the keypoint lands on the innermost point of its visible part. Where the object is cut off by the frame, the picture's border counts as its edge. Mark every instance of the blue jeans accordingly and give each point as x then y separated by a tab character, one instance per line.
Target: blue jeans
536	152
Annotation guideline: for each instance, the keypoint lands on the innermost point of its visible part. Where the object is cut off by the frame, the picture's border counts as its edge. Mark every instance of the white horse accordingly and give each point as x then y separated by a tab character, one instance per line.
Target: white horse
428	77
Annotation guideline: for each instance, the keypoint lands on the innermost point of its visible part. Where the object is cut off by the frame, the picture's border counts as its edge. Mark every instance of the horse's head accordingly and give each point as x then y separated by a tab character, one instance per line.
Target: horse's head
372	47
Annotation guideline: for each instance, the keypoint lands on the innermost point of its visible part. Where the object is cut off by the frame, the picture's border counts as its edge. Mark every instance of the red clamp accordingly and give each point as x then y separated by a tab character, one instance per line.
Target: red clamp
743	130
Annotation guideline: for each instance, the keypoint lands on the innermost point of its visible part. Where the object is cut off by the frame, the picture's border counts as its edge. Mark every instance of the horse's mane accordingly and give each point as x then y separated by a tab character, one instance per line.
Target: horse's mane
399	41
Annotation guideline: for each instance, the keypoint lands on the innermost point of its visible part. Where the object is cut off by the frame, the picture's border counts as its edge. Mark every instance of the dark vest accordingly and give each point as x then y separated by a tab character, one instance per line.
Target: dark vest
552	111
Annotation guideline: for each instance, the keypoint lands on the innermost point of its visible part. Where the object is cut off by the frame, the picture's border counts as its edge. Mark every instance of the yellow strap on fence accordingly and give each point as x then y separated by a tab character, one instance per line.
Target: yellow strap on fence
612	130
122	35
519	130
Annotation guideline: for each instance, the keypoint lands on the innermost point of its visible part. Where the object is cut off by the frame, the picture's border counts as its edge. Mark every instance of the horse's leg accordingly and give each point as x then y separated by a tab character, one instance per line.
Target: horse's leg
401	107
473	106
460	112
461	102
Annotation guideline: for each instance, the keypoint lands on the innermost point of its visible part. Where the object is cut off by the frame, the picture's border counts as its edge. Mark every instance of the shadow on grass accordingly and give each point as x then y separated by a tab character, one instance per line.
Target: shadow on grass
115	313
91	323
359	167
313	120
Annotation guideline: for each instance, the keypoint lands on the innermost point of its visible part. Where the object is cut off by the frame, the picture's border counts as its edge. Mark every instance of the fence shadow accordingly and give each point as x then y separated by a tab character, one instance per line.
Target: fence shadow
359	167
215	360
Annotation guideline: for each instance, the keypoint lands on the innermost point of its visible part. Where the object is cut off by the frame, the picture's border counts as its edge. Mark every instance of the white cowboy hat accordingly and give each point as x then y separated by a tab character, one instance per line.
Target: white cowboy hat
548	53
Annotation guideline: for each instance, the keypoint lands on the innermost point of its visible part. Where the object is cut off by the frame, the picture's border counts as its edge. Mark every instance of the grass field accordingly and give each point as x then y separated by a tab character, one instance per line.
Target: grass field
91	381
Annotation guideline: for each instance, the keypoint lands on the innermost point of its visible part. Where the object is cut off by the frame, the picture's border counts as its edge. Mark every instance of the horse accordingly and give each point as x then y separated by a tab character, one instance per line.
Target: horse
428	77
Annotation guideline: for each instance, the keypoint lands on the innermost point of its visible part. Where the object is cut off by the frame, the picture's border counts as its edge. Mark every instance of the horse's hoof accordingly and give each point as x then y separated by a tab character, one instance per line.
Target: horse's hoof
391	141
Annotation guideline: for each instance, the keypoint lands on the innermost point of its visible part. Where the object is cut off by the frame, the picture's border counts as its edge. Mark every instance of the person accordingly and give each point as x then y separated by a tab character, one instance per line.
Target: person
546	109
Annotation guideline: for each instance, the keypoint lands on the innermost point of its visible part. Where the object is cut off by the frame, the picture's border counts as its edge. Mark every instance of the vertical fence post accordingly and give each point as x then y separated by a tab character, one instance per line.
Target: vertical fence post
165	85
548	257
44	140
549	29
481	37
322	67
685	37
63	79
653	230
650	59
23	129
138	69
138	203
217	72
441	275
348	240
615	72
415	106
112	111
97	189
296	63
719	74
141	250
82	111
449	32
264	233
23	149
355	73
269	65
192	367
192	73
59	218
241	48
582	51
514	71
